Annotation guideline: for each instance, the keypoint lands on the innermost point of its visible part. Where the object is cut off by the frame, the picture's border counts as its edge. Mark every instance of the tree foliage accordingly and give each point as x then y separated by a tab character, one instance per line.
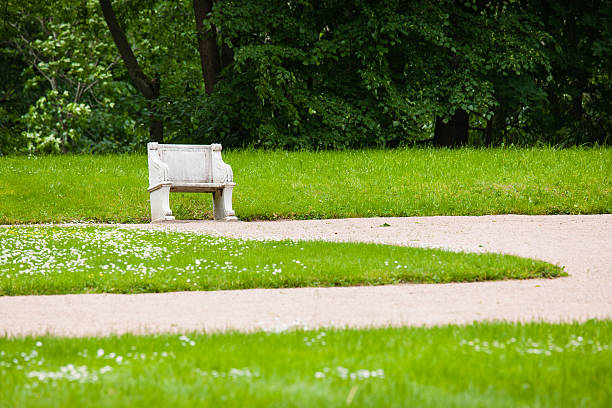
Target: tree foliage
306	74
68	75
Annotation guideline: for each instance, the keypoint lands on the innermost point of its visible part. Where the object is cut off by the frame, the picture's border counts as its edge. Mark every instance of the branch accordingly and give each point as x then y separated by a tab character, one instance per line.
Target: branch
149	88
479	115
35	59
91	85
44	27
77	93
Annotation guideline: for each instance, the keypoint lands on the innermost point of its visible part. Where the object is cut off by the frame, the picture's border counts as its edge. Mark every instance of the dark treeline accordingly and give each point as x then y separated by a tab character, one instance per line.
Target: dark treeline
107	76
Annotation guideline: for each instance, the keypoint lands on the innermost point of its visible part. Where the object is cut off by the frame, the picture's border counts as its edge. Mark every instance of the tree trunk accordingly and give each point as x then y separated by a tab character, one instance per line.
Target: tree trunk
227	56
454	133
488	134
156	124
149	88
207	45
156	129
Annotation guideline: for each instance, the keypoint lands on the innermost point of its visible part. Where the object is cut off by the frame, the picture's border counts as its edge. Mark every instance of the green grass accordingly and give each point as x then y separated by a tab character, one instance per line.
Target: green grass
481	365
53	260
403	182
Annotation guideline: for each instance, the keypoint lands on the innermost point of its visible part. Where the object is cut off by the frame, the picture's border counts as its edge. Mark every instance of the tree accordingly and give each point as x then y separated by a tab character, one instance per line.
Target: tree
148	87
577	107
305	74
66	76
495	65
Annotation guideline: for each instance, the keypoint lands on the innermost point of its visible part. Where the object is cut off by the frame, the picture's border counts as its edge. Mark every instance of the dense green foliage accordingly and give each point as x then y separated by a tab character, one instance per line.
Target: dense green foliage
307	74
479	365
74	100
307	185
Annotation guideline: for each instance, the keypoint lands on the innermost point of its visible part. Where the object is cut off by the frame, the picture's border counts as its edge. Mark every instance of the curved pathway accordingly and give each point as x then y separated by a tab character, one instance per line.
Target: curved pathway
583	244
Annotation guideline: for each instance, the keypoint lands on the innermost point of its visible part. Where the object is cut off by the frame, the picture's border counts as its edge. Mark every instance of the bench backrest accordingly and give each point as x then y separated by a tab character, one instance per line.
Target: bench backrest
187	164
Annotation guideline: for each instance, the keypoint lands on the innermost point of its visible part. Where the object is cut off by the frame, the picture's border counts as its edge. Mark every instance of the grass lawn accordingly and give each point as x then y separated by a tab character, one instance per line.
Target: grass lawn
481	365
402	182
53	260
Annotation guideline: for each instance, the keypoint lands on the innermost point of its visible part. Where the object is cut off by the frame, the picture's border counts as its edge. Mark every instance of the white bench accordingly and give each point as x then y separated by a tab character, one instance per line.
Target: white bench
189	168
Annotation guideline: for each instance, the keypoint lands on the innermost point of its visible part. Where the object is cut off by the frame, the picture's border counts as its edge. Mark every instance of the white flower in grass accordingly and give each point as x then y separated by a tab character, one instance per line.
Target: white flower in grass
186	340
105	369
344	374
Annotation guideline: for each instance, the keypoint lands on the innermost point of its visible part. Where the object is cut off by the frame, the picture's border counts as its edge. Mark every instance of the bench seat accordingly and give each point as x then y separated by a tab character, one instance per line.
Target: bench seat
181	187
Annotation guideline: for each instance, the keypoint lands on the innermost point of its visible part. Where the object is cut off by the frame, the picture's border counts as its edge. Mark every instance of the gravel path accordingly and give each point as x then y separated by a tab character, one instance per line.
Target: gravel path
583	244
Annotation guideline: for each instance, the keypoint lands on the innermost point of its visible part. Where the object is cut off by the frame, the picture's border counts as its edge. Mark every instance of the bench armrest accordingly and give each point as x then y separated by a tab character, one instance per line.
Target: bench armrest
158	170
221	171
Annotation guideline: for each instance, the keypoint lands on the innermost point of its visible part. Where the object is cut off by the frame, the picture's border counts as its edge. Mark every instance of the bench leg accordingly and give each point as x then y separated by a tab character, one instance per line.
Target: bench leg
222	205
160	204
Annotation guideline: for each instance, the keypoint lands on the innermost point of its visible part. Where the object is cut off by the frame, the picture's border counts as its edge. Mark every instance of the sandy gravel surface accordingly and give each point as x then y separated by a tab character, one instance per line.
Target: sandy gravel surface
583	244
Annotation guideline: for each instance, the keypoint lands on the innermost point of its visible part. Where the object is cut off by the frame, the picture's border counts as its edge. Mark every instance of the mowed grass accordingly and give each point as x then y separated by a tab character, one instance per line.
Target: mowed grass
480	365
301	185
54	260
